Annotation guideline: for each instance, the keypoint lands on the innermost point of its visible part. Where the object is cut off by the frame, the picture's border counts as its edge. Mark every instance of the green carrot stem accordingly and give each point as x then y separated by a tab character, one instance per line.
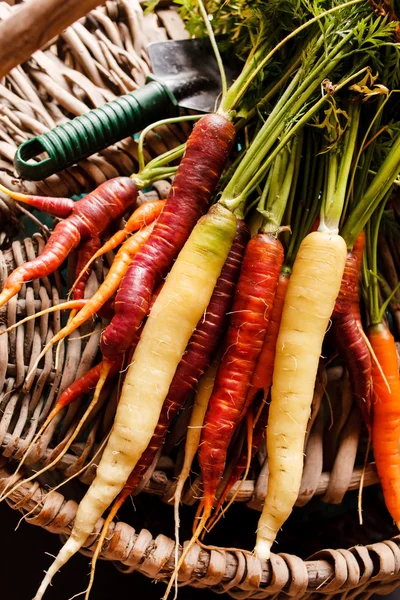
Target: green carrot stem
272	188
237	90
362	174
292	131
149	176
271	91
263	198
316	194
387	301
290	202
305	218
377	190
258	149
375	312
166	158
366	262
278	169
329	203
349	150
339	174
277	202
241	84
157	124
249	173
214	45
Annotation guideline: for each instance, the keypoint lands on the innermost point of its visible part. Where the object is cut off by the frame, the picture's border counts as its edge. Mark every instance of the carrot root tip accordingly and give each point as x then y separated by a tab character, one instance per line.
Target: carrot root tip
263	550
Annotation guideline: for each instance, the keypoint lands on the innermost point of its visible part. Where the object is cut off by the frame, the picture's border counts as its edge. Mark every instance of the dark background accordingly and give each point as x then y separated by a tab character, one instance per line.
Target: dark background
23	559
23	555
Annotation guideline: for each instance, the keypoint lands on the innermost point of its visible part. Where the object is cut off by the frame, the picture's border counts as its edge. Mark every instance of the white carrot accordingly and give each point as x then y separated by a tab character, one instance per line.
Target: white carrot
175	314
193	435
310	298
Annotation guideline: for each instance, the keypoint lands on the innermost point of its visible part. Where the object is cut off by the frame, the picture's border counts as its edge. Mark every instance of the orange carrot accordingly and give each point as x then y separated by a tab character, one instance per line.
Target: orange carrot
249	320
109	286
386	413
142	216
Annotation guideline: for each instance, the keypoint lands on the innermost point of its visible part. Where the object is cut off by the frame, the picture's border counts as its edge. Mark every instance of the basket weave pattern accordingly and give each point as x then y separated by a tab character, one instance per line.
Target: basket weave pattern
94	61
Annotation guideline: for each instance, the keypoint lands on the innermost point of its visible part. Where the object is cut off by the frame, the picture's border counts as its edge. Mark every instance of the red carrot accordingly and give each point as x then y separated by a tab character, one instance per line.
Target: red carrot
262	376
261	380
85	252
57	207
248	323
350	343
199	353
358	251
89	218
84	384
206	153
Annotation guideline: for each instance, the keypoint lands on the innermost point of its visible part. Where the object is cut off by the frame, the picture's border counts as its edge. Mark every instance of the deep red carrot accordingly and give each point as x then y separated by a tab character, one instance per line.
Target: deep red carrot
207	150
248	323
199	353
89	218
86	250
350	343
57	207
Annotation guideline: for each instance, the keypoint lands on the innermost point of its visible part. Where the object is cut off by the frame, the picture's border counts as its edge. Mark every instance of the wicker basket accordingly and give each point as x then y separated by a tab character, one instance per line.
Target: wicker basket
93	61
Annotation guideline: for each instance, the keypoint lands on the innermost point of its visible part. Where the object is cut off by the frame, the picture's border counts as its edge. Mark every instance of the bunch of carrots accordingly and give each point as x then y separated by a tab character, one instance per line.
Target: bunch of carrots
228	287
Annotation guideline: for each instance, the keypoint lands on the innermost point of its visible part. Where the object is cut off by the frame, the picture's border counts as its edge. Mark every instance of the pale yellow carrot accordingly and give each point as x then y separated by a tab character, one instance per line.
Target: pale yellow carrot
310	298
175	314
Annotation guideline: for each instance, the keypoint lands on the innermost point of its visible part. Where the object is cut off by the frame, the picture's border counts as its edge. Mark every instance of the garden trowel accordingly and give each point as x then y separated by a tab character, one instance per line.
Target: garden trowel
185	75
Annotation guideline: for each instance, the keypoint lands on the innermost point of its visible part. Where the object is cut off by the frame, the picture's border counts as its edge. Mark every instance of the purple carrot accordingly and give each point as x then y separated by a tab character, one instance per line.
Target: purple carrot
206	153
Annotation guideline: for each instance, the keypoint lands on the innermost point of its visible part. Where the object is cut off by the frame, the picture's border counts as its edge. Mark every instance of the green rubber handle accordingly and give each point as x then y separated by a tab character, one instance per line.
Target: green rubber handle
83	136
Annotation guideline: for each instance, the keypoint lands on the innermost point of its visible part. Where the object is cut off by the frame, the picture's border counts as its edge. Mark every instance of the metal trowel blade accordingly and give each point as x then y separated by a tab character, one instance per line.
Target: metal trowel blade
189	69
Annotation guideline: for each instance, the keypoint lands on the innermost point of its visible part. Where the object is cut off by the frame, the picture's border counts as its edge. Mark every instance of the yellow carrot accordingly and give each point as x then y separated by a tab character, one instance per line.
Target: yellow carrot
310	298
175	314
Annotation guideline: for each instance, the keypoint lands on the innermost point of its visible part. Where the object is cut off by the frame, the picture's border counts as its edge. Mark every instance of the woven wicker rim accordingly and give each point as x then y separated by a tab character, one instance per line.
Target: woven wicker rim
96	59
